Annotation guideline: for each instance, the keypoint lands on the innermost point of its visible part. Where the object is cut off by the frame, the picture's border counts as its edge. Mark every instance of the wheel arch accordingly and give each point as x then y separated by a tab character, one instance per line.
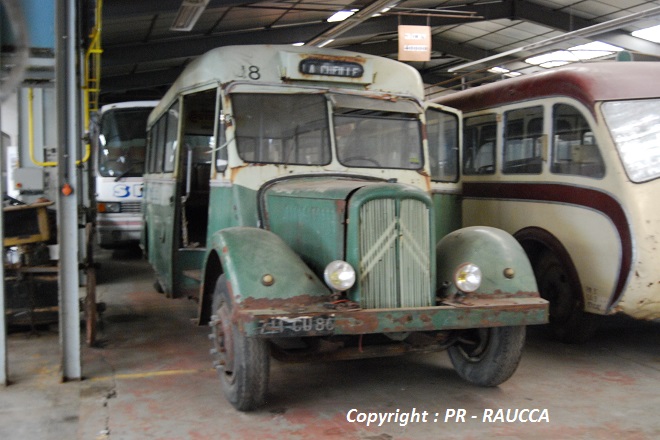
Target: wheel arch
260	268
212	271
535	241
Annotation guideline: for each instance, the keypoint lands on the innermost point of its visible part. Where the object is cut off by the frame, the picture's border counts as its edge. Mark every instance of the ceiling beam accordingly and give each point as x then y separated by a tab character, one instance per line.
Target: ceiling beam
193	46
120	9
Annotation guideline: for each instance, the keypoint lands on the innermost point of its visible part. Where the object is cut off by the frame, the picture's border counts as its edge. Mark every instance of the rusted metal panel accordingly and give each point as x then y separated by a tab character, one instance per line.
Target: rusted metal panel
526	309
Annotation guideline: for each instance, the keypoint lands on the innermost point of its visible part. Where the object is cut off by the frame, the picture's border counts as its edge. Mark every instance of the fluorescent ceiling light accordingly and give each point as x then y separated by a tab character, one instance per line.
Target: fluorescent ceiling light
298	44
552	59
650	34
589	51
504	71
595	49
326	42
189	13
341	15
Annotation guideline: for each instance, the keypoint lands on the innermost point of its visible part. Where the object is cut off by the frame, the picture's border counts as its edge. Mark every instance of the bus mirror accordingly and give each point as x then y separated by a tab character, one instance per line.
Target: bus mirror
226	119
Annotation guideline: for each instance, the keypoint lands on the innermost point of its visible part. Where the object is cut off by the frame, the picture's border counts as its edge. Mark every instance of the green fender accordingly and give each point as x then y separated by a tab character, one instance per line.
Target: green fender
504	265
262	270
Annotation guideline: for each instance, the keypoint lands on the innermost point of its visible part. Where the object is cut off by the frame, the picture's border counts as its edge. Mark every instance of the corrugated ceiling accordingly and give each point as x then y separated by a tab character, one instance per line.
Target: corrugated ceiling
142	56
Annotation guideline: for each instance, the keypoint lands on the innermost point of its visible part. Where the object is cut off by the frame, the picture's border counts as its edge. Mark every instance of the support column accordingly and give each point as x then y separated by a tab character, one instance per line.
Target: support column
68	137
3	319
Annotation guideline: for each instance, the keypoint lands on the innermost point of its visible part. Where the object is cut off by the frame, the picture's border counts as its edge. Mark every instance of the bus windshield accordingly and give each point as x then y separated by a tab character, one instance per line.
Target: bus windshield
635	128
122	142
374	133
295	129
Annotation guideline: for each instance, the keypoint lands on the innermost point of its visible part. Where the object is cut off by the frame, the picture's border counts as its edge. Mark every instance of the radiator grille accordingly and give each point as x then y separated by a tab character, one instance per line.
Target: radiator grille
394	254
132	207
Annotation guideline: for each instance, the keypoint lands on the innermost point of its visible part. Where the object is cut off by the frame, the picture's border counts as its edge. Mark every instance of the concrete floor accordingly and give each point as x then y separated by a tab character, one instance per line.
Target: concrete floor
151	378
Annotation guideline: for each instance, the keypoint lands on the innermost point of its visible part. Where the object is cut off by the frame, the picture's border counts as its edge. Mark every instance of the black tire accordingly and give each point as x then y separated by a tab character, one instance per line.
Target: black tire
558	285
489	356
158	287
243	363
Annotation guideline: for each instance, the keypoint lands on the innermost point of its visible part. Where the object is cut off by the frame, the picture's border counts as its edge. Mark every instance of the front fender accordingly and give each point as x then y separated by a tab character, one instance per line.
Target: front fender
263	272
504	265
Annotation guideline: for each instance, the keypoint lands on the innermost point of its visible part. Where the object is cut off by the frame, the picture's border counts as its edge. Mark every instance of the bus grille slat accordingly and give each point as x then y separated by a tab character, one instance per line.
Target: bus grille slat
132	207
394	254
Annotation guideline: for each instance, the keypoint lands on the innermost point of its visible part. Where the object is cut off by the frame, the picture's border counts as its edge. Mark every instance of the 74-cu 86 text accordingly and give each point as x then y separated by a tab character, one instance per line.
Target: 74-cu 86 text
302	324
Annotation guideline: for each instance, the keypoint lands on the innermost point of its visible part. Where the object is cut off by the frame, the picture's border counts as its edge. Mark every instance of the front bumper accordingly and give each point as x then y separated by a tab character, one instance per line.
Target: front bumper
318	320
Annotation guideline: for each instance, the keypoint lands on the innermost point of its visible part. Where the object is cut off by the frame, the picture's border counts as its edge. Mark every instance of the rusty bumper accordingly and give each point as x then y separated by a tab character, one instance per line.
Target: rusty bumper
318	320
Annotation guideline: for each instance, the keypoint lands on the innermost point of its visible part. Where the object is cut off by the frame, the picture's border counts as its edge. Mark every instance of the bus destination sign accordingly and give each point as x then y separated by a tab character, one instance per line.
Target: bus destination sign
345	69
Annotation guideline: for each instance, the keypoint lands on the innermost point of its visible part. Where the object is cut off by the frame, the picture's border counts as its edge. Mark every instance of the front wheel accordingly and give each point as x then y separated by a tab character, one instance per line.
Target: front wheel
488	356
242	363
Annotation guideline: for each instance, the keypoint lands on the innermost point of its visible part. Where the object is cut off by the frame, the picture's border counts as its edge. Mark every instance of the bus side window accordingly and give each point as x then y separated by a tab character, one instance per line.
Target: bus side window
479	145
151	148
441	129
523	129
574	148
171	134
159	150
221	157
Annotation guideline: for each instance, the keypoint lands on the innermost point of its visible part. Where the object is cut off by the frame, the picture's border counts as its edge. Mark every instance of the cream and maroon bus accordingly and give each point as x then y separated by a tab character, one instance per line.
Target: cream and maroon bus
568	161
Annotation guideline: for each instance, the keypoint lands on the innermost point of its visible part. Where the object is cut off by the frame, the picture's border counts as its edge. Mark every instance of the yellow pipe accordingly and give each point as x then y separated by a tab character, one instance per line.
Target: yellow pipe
31	132
31	137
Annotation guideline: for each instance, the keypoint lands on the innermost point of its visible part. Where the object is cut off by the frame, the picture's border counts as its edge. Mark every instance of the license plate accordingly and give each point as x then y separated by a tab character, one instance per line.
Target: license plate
300	326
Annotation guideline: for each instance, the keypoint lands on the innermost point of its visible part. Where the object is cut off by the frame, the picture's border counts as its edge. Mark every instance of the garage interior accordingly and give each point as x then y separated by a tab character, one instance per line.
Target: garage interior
146	372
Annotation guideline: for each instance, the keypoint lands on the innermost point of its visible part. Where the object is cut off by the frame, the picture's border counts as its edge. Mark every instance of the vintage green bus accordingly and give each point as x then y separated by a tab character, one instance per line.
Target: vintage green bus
307	198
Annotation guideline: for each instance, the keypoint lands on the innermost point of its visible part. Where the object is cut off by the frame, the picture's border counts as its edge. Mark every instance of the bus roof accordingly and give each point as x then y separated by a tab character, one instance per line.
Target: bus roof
587	83
128	104
281	64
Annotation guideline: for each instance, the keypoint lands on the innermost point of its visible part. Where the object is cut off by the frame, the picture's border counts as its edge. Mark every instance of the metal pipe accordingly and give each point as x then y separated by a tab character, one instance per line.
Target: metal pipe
68	137
3	325
33	158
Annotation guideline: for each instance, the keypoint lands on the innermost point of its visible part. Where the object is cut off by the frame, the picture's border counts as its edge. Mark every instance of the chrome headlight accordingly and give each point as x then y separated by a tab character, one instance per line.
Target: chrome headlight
108	207
339	275
467	277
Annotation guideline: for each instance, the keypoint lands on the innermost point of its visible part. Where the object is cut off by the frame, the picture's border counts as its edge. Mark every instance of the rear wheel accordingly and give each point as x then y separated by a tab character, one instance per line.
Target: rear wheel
488	356
568	320
242	363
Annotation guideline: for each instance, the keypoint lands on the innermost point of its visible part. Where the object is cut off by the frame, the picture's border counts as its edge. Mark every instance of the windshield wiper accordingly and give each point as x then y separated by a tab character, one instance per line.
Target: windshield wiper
130	167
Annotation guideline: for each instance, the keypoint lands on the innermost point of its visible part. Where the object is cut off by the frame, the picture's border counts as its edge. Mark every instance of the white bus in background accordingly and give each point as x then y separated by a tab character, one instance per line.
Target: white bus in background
568	161
119	165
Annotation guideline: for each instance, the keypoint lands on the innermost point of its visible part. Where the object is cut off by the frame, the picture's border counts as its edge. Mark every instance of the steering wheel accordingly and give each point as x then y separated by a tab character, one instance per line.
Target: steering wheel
357	158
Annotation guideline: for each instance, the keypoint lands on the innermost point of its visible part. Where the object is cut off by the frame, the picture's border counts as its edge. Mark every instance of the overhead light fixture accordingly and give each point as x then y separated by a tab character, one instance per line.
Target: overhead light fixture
189	13
504	71
584	32
595	49
326	42
583	52
300	43
341	15
650	34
